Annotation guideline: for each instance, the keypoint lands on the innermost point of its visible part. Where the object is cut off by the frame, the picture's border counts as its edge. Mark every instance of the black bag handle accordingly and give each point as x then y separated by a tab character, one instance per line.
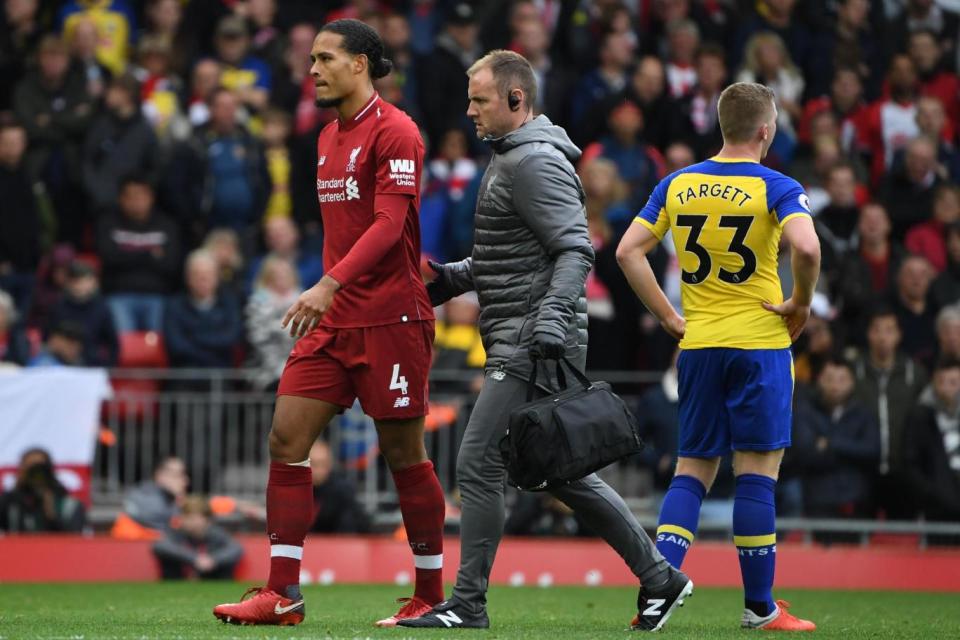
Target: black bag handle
561	377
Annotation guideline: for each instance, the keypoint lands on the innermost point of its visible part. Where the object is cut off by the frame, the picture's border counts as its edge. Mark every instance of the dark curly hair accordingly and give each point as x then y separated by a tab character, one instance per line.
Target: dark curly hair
360	38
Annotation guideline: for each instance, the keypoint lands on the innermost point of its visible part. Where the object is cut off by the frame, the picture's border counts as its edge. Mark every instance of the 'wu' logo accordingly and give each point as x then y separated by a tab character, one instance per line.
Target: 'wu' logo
402	166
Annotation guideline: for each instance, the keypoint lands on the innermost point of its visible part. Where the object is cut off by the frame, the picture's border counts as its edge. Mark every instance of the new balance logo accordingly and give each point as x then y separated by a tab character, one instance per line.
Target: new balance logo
352	189
402	166
400	403
321	161
449	619
653	607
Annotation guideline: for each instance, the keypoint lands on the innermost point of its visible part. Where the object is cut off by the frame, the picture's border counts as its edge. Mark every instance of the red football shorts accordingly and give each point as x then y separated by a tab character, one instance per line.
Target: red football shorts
386	367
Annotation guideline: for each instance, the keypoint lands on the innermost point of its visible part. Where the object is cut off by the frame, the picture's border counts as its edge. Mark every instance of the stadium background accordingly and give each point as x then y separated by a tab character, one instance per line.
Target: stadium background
135	134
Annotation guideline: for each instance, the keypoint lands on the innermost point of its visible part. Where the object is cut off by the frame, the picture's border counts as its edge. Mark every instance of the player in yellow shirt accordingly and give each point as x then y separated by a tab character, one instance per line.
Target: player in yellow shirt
727	215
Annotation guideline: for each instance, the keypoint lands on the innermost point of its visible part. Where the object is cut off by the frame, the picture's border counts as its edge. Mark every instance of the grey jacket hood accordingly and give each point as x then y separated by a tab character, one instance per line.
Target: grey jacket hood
540	129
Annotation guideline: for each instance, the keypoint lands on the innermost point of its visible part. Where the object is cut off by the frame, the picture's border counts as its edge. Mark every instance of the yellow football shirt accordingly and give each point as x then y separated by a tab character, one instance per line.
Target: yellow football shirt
726	218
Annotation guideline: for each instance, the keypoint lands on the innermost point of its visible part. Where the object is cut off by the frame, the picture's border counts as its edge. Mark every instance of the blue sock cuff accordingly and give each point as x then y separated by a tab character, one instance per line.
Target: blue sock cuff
753	486
691	484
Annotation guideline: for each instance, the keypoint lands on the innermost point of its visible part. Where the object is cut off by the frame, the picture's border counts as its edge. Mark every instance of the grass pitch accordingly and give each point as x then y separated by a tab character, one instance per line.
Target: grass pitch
146	611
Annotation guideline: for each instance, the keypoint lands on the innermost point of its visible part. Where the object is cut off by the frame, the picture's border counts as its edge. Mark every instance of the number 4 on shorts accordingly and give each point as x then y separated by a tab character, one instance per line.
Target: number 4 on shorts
398	381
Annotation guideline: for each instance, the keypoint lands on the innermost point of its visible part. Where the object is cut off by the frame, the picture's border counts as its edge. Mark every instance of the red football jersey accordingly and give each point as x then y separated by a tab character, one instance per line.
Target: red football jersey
379	151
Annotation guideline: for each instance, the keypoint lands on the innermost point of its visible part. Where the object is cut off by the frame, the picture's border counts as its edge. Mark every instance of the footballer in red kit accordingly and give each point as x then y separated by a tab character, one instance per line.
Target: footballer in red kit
365	331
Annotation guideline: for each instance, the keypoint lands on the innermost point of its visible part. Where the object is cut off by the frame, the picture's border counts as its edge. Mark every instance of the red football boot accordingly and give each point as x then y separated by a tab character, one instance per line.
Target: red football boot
779	620
260	605
412	608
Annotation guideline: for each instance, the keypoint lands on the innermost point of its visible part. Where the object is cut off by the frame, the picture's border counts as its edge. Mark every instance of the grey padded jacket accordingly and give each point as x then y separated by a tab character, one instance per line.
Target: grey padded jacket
531	251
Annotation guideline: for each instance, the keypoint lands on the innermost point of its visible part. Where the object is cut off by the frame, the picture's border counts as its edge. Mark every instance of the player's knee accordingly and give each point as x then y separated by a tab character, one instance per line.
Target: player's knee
762	463
703	469
283	448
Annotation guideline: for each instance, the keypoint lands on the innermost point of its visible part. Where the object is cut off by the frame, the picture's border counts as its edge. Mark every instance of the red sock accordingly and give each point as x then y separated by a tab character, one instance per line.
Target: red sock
289	516
422	506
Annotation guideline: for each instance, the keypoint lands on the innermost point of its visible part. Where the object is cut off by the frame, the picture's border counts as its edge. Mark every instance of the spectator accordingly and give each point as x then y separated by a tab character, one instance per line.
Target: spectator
149	508
282	239
658	410
648	90
38	502
245	75
232	173
276	133
888	384
53	105
266	37
293	87
397	49
638	164
553	81
83	306
932	452
442	76
936	81
83	46
890	122
683	40
849	43
776	16
813	348
908	192
449	198
767	61
541	514
120	141
51	279
141	254
948	332
224	246
20	31
160	94
678	155
867	272
334	497
913	309
933	125
63	347
202	327
945	290
698	112
165	24
19	219
845	102
837	221
458	347
204	81
195	546
608	79
14	347
836	444
116	28
276	287
918	15
928	239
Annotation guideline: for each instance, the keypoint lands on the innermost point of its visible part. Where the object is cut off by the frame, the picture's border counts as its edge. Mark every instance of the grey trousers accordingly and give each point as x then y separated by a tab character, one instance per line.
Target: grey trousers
481	477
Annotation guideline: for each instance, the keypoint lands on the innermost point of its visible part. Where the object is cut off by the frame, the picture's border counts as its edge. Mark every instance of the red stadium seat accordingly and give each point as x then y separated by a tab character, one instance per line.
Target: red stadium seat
142	350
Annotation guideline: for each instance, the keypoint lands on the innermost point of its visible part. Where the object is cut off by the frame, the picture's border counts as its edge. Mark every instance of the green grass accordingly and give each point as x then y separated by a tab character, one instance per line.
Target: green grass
141	611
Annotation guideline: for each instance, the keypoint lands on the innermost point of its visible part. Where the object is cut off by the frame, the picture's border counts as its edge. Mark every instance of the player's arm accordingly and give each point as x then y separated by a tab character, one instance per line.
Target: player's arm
632	252
390	214
804	245
640	239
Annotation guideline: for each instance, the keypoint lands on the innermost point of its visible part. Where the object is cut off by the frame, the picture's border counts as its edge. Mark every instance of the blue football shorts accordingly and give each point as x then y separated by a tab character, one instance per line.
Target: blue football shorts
734	399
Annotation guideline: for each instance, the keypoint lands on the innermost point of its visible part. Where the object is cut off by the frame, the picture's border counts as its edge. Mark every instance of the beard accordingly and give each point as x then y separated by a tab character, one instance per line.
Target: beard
326	103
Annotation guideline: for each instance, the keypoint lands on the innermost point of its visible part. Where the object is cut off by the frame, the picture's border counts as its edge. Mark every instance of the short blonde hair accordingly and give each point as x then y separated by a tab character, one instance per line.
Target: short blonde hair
510	70
743	107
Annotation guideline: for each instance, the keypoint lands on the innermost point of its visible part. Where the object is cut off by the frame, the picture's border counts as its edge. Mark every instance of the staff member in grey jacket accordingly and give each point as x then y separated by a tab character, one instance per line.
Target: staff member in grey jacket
531	256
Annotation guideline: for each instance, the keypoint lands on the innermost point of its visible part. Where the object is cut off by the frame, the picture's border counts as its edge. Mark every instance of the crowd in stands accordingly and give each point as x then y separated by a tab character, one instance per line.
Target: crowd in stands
157	170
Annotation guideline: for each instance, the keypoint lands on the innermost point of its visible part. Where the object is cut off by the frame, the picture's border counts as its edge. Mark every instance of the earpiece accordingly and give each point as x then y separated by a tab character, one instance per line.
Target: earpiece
513	101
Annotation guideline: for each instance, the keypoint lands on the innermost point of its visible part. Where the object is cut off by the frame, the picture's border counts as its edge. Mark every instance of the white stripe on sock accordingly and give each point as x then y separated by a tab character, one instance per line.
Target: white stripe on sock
305	463
286	551
428	562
